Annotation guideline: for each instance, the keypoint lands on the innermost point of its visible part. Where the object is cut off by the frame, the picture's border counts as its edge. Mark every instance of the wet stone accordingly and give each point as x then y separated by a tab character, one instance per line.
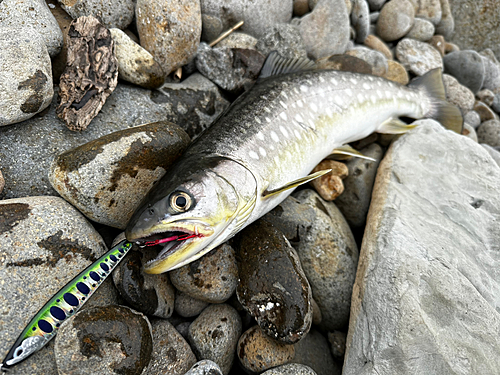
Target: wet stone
467	67
337	341
395	20
285	39
111	13
314	352
290	369
104	340
345	63
205	367
273	288
418	57
187	306
212	278
107	178
214	335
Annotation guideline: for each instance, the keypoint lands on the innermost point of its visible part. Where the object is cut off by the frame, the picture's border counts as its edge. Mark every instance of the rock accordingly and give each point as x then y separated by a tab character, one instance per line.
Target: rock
395	20
135	64
485	112
496	103
422	30
430	10
257	352
183	329
473	18
472	118
337	344
491	73
25	75
376	59
376	4
283	38
360	19
171	353
418	57
451	47
104	340
438	42
290	369
45	242
489	132
467	67
169	31
447	24
422	286
33	14
187	306
114	13
238	40
300	7
325	30
494	153
107	178
272	285
371	41
205	367
345	63
396	73
355	200
330	186
314	351
64	21
212	278
91	73
214	335
457	94
468	131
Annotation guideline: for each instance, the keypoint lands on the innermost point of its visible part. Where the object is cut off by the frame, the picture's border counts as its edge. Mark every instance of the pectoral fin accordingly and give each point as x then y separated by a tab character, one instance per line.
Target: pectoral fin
395	126
345	152
294	184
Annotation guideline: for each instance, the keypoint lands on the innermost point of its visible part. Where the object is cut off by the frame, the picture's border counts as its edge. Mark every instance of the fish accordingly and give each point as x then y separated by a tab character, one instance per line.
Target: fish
266	144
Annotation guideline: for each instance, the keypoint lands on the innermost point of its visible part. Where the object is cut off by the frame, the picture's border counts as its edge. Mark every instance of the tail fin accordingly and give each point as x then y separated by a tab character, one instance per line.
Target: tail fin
447	114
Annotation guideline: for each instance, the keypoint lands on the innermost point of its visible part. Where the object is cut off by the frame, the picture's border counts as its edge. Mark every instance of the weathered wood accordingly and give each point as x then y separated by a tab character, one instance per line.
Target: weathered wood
91	73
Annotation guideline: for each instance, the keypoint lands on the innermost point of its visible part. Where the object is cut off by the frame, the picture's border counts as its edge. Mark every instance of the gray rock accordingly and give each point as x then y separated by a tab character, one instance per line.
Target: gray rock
171	353
430	10
469	132
473	119
486	96
446	26
458	94
214	335
355	200
489	132
205	367
496	103
395	20
376	59
325	30
491	73
422	30
337	341
467	67
424	285
33	14
45	242
238	40
187	306
494	153
290	369
285	39
25	75
418	57
170	33
376	4
374	18
113	13
314	351
360	19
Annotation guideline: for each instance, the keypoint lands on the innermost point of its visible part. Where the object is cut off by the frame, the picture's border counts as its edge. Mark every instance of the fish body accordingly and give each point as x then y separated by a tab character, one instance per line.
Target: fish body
265	144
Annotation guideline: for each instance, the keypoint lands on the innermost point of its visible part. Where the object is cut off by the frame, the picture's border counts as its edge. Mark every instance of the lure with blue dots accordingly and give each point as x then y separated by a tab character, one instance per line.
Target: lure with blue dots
64	304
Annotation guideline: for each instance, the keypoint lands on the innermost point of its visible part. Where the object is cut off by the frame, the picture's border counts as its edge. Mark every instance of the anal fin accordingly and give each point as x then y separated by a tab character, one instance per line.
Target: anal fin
395	126
295	183
345	152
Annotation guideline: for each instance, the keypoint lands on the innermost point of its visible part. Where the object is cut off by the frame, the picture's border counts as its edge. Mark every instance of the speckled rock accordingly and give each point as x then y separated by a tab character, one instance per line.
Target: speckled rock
396	72
376	59
355	200
373	42
467	67
171	33
325	30
290	369
472	118
446	26
422	30
438	42
360	19
273	287
314	352
104	340
484	111
34	14
41	237
491	71
429	9
25	75
285	39
257	352
205	367
458	94
395	20
337	341
135	64
187	306
329	186
486	96
106	179
114	13
214	335
345	63
417	56
212	278
489	132
171	353
238	40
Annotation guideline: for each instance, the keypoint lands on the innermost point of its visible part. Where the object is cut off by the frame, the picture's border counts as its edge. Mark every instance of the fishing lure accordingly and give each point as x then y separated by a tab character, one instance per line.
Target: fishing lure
65	303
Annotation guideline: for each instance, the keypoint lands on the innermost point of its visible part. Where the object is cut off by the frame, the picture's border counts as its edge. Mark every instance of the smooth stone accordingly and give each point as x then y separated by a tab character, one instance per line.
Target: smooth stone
467	67
418	57
314	351
183	329
283	38
272	285
135	64
169	31
111	13
238	40
439	43
300	7
187	306
330	185
41	237
337	341
205	367
422	30
149	294
494	153
373	42
446	26
104	340
360	19
171	352
472	118
212	278
33	14
325	30
469	132
489	132
491	71
290	369
458	94
376	4
376	59
257	352
430	10
395	20
486	96
397	73
451	47
355	200
496	103
107	178
429	286
485	112
345	63
25	75
214	334
373	19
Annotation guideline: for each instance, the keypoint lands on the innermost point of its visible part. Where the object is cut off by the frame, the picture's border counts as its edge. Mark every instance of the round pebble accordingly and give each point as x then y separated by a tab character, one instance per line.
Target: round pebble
458	94
314	351
395	20
467	67
373	42
360	19
422	30
187	306
430	10
418	57
485	112
397	73
290	369
472	118
337	341
111	13
489	132
330	186
204	367
376	59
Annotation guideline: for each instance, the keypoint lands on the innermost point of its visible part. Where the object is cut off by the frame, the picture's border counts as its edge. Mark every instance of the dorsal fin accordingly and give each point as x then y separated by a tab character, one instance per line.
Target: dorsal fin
276	64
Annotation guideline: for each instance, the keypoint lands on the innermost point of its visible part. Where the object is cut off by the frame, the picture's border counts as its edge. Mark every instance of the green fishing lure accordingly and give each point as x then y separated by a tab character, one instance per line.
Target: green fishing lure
65	303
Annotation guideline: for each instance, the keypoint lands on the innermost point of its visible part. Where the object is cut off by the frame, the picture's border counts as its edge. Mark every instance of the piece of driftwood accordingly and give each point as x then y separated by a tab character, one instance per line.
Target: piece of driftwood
91	73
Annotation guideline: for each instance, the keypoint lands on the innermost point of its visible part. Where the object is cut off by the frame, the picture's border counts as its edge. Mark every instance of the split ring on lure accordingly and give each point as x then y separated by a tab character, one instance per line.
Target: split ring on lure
65	303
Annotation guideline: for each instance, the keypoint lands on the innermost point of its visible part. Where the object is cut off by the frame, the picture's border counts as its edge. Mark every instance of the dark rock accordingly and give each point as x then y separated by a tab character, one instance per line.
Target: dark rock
314	352
376	59
283	38
187	306
337	341
467	67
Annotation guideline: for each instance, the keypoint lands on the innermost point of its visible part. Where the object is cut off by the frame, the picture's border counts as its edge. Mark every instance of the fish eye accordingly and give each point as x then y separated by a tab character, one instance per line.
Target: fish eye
180	201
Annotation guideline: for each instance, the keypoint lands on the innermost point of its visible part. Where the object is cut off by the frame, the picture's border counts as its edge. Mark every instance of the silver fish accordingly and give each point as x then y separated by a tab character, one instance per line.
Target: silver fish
265	145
